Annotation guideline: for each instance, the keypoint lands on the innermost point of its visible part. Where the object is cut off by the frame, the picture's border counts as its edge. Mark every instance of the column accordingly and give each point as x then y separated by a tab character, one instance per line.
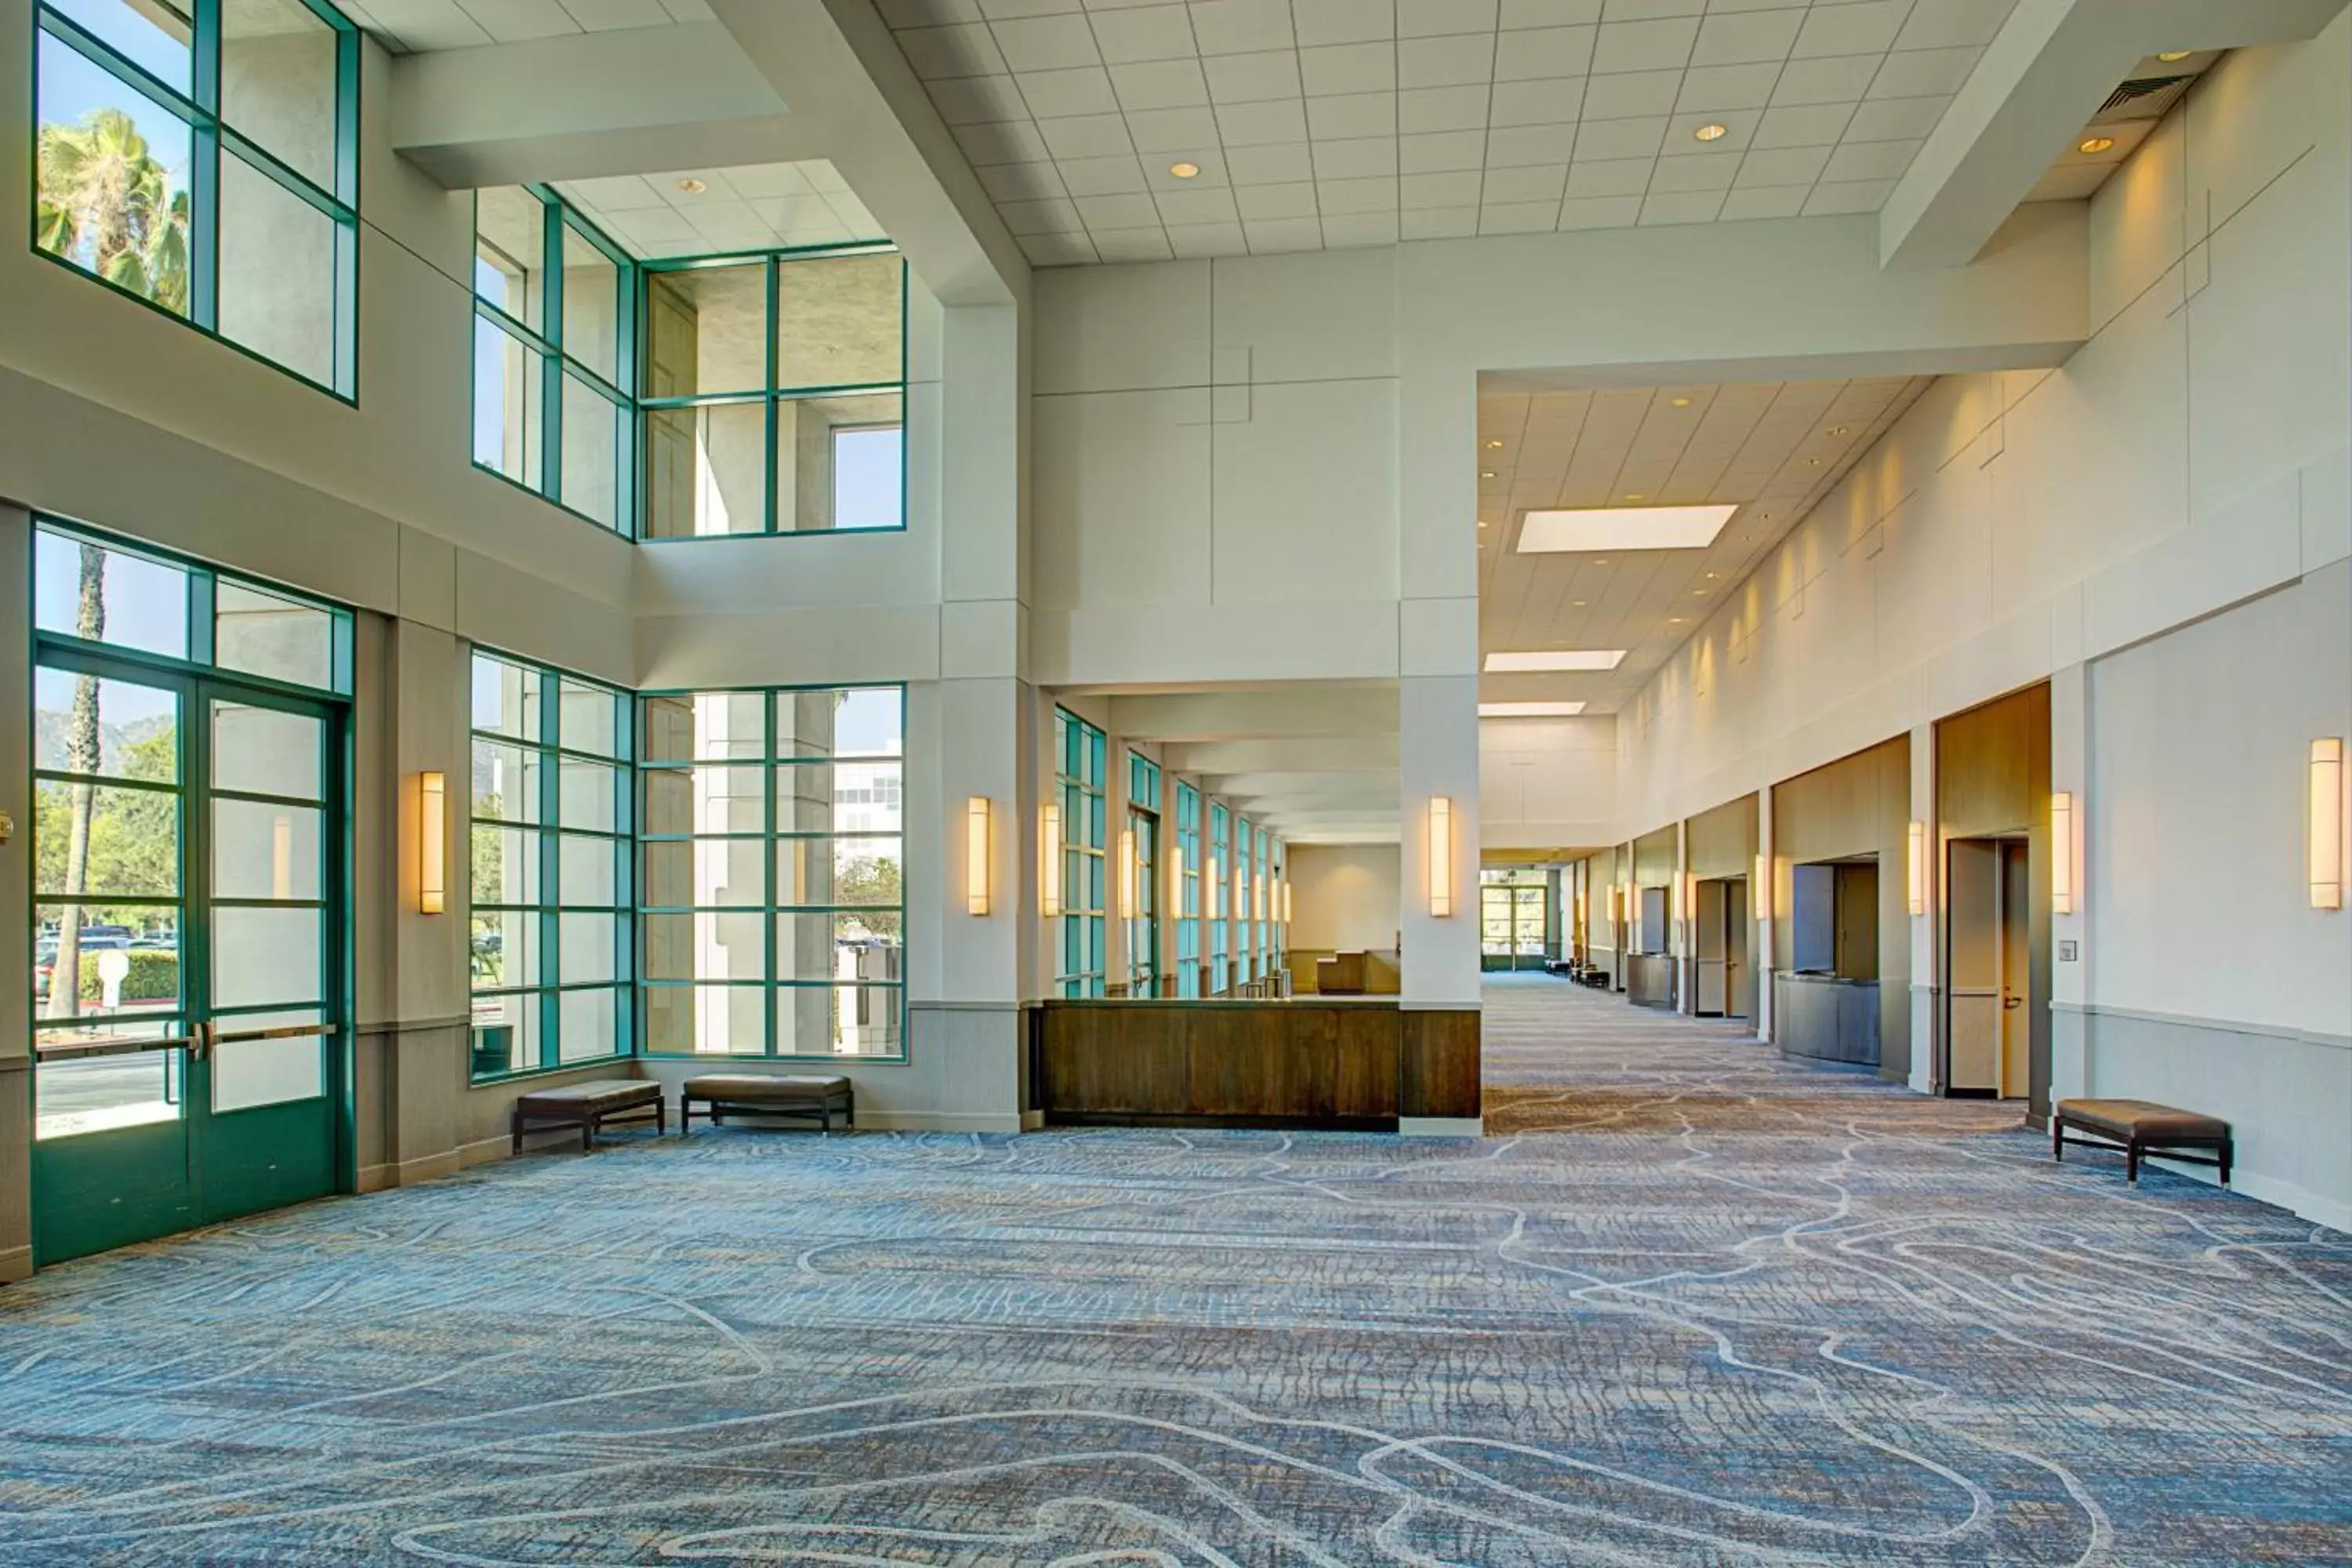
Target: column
2069	947
1927	951
1763	904
1685	919
16	895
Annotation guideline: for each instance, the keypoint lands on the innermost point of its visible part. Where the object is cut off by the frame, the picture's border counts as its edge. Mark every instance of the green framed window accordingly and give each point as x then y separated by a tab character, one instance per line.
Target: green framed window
549	924
554	354
202	156
775	393
1219	900
1083	962
1277	905
1245	952
1143	920
771	872
1188	889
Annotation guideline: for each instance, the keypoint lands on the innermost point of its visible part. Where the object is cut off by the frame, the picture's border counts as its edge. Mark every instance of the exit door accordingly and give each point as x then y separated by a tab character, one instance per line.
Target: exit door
188	951
1988	1030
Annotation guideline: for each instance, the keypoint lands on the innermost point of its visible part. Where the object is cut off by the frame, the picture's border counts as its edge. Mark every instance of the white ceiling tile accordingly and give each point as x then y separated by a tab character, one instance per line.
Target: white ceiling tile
1258	202
1922	73
1021	182
1858	196
1454	62
1278	234
1207	239
1543	52
1355	115
1554	102
1516	13
1438	223
1045	43
1865	28
1160	84
1531	182
1274	164
1241	26
1007	10
1842	78
1896	119
430	24
1434	153
964	49
1253	79
1519	218
517	21
1741	38
1057	249
1870	161
1677	175
1174	131
1254	124
1148	32
1103	176
1632	93
1334	68
614	193
611	15
1728	87
1663	45
1085	136
1133	244
1059	94
1012	141
1807	125
1369	157
1344	197
1458	188
688	10
1435	18
1118	212
1621	138
1949	22
1341	21
1042	217
1346	231
1616	178
977	99
1429	108
1519	146
1196	207
1782	166
904	14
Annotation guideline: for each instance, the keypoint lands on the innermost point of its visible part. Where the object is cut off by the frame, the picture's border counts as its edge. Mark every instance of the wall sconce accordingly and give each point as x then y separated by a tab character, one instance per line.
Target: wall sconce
1127	874
2061	852
1214	889
432	842
1917	872
1286	903
1257	897
1759	890
2326	852
1049	871
1441	856
975	856
1616	903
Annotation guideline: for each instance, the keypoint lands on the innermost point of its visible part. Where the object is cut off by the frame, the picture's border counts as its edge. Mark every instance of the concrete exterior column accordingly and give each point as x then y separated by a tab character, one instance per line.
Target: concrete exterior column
1927	946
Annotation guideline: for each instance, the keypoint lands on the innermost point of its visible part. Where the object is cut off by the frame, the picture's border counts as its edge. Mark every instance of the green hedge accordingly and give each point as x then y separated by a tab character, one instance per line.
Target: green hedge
154	977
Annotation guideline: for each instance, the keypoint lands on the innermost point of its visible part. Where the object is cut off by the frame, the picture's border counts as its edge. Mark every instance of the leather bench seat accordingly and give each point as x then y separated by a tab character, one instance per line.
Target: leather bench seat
2141	1128
785	1094
588	1106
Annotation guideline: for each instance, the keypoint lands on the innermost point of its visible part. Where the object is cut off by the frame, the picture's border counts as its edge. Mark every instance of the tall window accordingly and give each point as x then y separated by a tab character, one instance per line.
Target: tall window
202	156
1188	891
553	954
554	322
1245	932
775	393
1079	749
1261	902
774	890
1277	905
1143	925
1219	901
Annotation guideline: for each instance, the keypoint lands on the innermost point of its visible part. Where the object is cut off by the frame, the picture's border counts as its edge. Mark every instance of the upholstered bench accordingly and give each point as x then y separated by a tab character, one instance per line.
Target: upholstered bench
588	1106
761	1094
2140	1128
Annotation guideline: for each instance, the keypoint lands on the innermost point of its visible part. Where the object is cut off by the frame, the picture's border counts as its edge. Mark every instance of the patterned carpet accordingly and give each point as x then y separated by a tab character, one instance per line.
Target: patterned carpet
1746	1314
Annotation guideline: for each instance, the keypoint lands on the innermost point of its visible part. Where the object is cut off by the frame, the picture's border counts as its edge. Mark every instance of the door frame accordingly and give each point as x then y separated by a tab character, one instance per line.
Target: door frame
2010	998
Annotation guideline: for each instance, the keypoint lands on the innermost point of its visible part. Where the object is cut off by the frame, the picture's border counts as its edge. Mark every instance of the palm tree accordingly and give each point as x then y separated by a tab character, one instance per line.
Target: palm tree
83	742
105	202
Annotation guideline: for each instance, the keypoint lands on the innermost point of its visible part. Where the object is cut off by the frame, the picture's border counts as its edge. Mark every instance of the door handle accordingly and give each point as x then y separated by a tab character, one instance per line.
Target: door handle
2008	1002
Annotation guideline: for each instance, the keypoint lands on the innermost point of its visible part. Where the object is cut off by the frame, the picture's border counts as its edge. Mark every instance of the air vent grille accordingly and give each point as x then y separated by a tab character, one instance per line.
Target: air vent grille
2144	97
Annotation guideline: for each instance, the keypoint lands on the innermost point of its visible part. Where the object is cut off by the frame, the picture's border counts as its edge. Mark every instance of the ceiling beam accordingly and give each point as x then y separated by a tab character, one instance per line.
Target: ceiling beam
1341	754
2041	81
642	101
1301	710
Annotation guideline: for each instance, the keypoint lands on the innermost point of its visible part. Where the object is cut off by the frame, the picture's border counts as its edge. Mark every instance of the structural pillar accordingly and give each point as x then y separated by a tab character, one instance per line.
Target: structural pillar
1764	902
1927	951
2071	1069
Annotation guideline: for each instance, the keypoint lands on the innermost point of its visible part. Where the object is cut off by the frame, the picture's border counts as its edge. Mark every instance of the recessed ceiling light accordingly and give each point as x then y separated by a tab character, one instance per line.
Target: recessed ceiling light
1577	603
1813	462
1600	563
1485	473
1183	170
1682	401
1673	620
1712	131
1495	445
2176	55
1710	576
692	187
1841	429
1482	522
1698	592
1635	495
1622	527
2095	144
1543	662
1529	709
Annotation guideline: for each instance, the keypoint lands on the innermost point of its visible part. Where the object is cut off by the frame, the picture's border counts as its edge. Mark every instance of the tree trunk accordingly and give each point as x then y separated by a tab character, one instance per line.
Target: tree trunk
83	743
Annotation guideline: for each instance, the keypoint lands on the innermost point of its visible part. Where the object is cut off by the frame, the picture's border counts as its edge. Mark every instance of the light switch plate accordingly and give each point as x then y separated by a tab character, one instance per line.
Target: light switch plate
2068	951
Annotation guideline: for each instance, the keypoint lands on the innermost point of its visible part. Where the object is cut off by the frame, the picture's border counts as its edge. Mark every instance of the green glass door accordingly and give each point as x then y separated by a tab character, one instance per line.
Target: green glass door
187	951
1510	925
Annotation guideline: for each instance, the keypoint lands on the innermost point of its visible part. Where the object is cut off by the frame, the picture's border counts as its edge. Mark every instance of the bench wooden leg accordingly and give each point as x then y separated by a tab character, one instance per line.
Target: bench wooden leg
2057	1140
2131	1161
588	1130
661	1119
514	1127
2228	1148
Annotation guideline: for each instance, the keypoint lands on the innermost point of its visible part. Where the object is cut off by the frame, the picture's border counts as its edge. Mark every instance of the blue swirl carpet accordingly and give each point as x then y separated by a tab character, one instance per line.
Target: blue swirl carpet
1727	1312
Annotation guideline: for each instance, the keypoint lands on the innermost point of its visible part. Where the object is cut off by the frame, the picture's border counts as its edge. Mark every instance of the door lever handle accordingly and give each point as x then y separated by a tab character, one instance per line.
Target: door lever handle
2008	1002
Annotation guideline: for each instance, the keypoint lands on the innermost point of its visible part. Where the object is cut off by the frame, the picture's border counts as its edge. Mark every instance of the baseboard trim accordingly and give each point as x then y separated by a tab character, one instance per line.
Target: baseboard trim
1032	1121
15	1263
377	1179
1440	1127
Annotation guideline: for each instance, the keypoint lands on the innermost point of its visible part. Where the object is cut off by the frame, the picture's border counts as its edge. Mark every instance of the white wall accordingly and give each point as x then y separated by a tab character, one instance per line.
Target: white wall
1345	897
1547	784
2192	457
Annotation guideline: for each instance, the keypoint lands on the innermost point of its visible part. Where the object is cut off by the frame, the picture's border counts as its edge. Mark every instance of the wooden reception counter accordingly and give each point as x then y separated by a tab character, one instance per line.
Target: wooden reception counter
1363	1063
